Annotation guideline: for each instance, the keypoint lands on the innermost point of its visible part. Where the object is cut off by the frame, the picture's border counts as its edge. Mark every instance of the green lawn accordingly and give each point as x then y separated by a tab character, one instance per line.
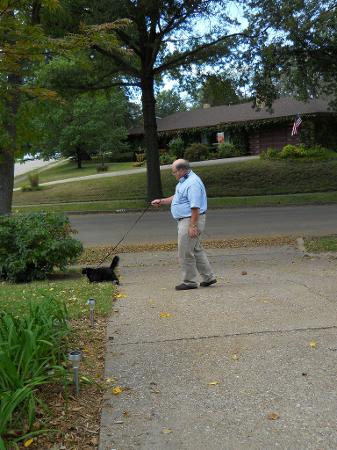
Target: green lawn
74	290
69	170
321	244
235	184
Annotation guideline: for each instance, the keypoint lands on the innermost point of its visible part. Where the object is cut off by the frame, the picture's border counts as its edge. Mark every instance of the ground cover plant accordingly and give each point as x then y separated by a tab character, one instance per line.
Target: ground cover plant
33	245
53	388
31	355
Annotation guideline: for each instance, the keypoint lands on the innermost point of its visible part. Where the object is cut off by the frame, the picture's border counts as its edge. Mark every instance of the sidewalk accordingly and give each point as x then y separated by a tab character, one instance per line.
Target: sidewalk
249	363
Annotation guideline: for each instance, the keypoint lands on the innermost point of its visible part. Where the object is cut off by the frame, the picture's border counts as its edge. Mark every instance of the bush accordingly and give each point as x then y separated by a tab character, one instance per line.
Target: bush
196	152
33	180
299	152
121	157
32	245
167	158
102	168
228	150
270	153
176	147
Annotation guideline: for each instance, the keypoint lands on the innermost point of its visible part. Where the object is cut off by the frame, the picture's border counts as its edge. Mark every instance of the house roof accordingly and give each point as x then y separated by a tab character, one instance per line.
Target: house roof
234	114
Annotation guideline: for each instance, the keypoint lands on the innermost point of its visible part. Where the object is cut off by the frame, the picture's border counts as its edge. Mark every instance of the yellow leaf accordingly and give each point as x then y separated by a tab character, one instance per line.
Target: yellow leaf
111	380
121	295
28	442
166	430
117	390
313	344
273	416
164	315
213	383
235	357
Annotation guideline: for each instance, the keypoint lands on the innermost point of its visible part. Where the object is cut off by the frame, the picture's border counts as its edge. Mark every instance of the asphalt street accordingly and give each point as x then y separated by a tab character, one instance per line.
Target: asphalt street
158	226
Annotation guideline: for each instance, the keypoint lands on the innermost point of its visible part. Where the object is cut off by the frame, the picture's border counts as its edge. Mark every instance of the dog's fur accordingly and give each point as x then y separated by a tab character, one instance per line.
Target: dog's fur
99	274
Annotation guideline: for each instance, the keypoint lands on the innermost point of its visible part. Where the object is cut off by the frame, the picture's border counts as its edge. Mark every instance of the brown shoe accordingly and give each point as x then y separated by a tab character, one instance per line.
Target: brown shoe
184	287
207	283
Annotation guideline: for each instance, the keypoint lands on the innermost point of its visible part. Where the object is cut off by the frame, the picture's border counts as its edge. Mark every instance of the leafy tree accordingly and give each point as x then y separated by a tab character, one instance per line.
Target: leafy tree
156	37
87	124
218	90
22	47
169	102
297	50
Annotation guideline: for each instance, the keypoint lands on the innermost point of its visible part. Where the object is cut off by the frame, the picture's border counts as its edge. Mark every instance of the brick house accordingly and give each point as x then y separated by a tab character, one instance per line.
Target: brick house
254	130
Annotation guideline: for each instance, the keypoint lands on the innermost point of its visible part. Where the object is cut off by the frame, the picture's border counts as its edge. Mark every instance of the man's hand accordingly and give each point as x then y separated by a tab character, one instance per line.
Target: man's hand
156	203
193	231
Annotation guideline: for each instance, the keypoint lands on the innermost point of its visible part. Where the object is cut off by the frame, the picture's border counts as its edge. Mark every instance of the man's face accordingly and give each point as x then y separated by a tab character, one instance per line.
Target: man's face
178	173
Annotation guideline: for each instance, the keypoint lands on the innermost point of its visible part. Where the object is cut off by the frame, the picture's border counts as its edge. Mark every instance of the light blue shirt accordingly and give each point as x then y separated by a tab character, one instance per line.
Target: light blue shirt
190	193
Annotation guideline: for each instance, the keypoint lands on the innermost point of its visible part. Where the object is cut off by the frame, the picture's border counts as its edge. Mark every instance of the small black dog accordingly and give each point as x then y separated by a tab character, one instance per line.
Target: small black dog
102	273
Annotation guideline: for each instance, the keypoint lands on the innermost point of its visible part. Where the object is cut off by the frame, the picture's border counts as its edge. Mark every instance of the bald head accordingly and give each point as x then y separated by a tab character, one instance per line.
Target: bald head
181	164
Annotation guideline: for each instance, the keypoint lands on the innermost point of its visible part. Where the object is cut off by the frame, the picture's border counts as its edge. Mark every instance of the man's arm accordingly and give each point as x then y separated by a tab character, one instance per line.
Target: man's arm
162	201
193	231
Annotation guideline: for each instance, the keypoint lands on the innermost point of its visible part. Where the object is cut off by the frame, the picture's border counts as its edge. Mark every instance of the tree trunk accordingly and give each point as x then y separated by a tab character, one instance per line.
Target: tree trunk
7	159
154	187
6	181
79	157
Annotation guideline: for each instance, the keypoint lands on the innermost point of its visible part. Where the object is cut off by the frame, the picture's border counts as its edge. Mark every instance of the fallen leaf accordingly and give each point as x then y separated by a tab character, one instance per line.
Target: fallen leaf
117	390
111	380
313	344
28	442
120	295
235	357
273	416
213	383
166	430
164	315
243	272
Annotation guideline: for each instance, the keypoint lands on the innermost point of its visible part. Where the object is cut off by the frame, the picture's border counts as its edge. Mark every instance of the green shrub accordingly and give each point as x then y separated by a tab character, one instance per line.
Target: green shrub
176	147
196	152
291	151
270	153
167	159
121	157
228	150
101	168
32	245
33	180
31	355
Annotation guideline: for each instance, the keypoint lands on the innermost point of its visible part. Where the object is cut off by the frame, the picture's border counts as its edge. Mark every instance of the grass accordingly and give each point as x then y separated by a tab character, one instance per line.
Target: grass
218	202
246	183
321	244
69	170
75	291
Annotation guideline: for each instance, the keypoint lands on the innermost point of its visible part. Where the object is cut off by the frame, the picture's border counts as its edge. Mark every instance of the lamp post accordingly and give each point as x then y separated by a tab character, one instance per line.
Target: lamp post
75	358
91	303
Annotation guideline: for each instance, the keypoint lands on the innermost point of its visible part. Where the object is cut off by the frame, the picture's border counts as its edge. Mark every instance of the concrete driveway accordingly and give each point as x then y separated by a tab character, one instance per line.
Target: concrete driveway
249	363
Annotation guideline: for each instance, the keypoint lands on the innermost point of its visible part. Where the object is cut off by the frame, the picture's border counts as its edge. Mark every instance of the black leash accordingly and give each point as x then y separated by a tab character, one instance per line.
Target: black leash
124	236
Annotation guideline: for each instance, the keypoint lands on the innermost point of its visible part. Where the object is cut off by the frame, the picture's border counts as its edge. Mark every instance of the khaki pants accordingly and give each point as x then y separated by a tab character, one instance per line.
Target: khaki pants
192	256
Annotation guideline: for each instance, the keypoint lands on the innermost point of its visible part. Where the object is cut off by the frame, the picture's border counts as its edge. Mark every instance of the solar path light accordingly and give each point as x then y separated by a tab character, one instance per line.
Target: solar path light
75	358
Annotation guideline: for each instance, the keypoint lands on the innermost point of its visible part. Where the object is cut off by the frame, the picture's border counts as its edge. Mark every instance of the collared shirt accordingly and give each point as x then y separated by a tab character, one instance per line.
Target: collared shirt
190	193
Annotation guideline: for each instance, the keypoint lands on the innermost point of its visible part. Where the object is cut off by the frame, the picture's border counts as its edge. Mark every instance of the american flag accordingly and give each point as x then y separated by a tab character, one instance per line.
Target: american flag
296	125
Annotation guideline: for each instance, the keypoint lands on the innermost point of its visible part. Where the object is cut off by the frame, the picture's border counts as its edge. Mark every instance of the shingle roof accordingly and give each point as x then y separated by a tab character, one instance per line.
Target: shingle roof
230	114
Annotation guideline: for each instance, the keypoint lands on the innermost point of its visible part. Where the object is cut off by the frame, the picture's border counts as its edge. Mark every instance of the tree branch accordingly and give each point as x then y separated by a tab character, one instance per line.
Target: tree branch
178	59
123	65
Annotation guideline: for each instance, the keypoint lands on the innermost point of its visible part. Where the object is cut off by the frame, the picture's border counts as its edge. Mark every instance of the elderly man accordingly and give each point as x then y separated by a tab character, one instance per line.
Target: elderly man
188	207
